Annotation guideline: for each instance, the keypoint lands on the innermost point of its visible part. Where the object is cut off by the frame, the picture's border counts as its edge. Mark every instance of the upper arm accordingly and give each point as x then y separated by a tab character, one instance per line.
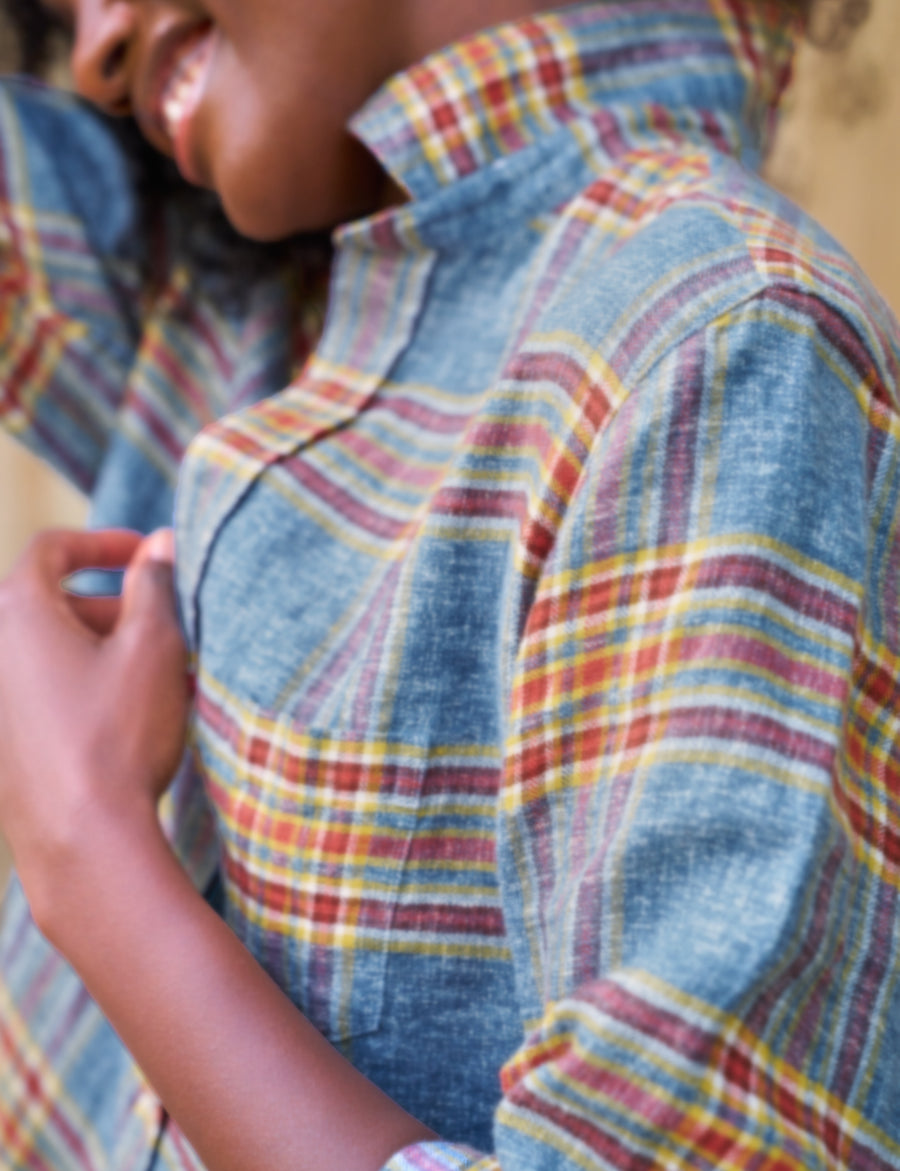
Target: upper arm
687	904
69	281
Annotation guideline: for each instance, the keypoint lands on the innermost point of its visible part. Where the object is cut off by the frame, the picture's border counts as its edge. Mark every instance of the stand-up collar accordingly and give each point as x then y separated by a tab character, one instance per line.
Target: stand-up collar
498	91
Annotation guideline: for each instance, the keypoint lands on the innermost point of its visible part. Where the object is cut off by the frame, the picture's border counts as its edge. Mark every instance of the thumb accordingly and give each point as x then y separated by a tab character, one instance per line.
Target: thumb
148	591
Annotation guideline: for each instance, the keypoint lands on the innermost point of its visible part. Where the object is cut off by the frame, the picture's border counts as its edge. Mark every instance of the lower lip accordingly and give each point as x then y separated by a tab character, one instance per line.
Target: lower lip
183	144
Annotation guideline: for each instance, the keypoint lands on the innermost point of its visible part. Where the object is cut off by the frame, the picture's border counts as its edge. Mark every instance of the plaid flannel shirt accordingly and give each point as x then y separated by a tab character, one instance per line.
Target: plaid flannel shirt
546	624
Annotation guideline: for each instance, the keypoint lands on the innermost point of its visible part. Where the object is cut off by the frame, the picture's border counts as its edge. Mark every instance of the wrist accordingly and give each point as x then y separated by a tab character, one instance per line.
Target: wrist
101	848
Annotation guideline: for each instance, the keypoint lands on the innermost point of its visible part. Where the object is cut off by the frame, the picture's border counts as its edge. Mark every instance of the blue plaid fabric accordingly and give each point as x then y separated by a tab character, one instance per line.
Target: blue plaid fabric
544	608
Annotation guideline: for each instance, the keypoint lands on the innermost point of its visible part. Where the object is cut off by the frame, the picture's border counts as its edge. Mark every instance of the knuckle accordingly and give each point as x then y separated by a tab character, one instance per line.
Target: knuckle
42	542
42	551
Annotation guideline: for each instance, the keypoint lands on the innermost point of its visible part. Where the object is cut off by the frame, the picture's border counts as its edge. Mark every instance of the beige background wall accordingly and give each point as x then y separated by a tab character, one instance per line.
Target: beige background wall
838	151
838	154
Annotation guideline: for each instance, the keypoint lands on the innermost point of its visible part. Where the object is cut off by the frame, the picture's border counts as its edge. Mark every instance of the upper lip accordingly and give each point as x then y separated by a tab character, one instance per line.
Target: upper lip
151	82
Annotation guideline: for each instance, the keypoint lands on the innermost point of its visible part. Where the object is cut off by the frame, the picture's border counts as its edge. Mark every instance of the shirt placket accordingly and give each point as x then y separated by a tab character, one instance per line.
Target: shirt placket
378	287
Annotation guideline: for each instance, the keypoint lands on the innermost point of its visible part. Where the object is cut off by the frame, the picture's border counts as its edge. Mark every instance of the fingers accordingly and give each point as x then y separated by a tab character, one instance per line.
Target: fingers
149	577
159	546
98	614
57	553
148	592
147	605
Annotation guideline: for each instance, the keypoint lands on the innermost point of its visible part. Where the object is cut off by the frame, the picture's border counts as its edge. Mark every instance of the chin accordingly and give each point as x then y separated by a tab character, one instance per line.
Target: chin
265	224
288	203
255	222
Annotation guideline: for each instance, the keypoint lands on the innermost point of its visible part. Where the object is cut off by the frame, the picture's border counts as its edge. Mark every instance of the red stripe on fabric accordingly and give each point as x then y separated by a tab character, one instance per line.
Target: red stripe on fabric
564	371
14	1131
453	847
605	1145
182	382
884	838
157	426
422	414
390	465
315	765
333	836
687	293
839	331
773	995
495	503
349	507
740	1068
300	904
748	573
440	919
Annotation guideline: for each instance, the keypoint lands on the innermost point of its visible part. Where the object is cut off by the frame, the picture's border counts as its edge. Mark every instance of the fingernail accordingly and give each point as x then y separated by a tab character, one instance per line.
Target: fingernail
160	546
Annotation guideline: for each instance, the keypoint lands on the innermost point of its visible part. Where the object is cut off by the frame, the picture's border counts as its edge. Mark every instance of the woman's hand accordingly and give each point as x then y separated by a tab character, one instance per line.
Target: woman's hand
93	708
93	702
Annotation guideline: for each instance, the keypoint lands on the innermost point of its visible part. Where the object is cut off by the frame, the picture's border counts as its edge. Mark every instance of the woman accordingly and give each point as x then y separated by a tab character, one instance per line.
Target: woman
544	628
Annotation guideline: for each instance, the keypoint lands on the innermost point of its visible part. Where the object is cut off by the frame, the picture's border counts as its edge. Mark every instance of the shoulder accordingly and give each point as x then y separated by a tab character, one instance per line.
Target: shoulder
61	159
662	248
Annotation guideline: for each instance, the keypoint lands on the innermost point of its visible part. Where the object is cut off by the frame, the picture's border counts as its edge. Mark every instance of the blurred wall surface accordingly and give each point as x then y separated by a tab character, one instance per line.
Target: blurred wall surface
31	498
837	154
838	149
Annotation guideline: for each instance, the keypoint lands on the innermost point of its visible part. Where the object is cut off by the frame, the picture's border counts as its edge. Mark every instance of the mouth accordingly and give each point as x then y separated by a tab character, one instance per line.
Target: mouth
180	80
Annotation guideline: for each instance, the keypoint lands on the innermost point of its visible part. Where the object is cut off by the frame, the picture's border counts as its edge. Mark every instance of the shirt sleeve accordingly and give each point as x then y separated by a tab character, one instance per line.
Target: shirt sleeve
70	293
695	827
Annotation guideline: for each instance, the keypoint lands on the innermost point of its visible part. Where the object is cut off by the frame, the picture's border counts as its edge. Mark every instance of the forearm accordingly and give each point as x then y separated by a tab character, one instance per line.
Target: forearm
249	1080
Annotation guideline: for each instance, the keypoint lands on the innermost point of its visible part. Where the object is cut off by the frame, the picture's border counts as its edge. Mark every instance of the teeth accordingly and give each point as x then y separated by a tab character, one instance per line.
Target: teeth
181	89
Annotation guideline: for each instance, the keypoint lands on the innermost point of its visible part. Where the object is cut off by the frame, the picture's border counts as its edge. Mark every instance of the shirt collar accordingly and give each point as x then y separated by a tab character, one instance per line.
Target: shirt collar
498	91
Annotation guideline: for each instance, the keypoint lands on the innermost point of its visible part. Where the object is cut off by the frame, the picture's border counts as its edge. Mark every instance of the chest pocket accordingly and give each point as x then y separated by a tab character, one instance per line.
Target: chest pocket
317	828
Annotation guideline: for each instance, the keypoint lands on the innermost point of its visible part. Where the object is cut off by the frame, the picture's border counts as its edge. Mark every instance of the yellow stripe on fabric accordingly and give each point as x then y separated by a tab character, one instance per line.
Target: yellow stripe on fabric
802	326
314	793
611	1115
884	500
864	849
565	778
338	526
469	893
732	1029
774	30
396	500
541	1134
386	441
875	799
625	685
497	114
686	604
53	346
349	936
887	995
709	1082
595	370
36	1124
361	859
741	544
367	752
